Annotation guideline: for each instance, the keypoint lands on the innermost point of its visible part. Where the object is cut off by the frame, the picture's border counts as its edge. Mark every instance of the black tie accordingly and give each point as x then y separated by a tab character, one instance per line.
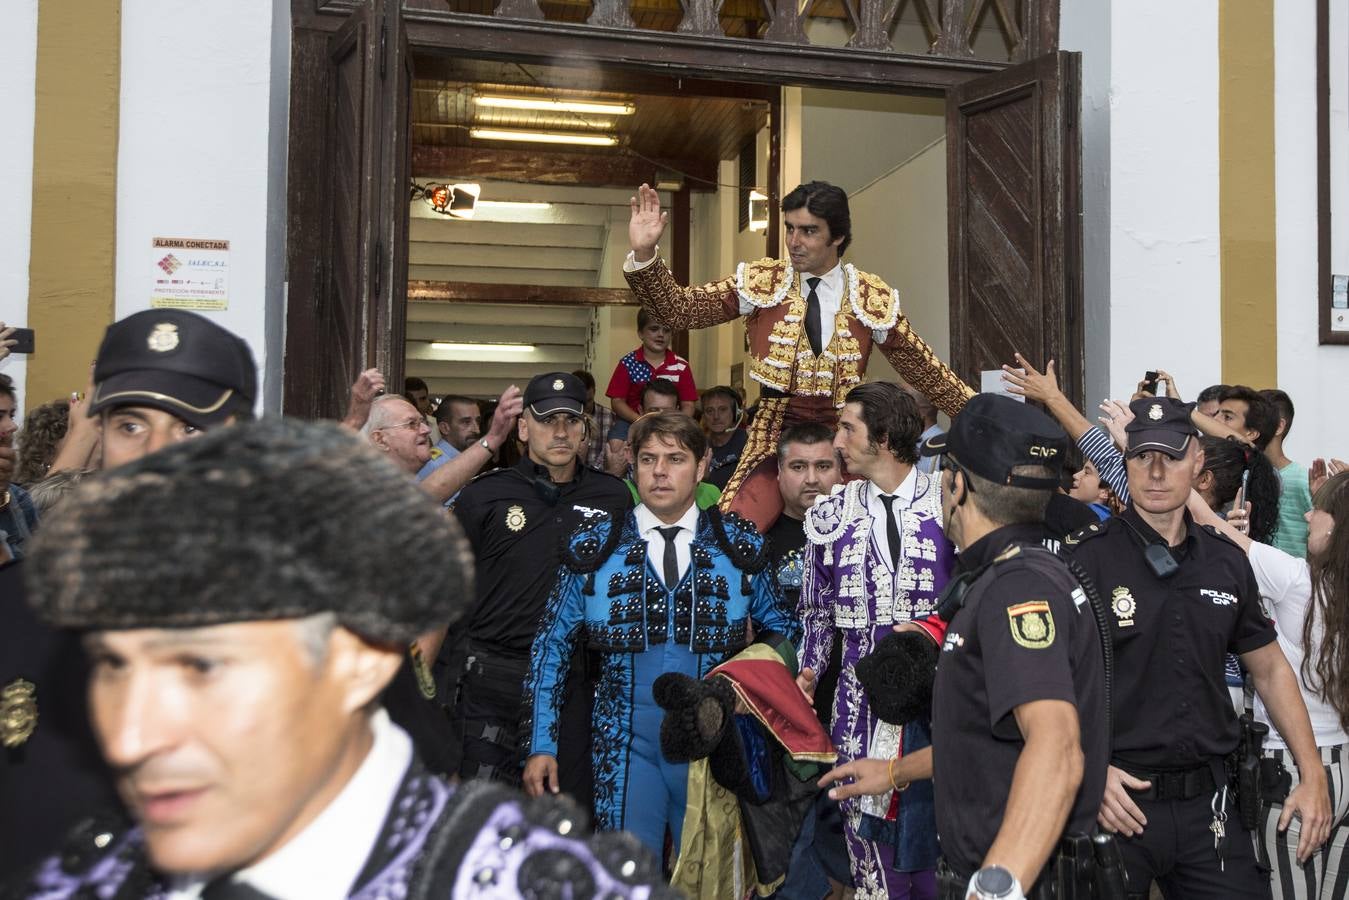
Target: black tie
813	333
891	530
228	889
671	560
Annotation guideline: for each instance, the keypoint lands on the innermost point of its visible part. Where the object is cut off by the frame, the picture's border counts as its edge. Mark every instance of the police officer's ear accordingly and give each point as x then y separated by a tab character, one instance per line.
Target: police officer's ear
522	427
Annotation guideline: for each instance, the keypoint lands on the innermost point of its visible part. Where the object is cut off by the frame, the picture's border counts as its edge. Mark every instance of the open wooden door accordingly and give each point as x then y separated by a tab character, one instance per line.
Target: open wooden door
1014	182
354	312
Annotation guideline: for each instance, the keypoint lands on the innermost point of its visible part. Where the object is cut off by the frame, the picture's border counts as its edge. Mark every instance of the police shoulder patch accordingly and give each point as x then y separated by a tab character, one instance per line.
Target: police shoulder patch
1032	624
1096	529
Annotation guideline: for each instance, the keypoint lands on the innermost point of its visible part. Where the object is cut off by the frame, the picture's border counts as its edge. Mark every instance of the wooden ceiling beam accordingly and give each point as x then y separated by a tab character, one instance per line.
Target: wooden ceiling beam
588	78
474	292
554	167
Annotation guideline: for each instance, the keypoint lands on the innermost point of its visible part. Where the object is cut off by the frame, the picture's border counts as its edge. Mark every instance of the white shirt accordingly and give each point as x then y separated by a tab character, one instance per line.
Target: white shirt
647	523
876	506
323	861
1286	586
829	292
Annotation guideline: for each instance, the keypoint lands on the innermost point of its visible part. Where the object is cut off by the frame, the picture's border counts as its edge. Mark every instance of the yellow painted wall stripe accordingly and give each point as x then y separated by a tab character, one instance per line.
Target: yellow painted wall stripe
1246	192
70	277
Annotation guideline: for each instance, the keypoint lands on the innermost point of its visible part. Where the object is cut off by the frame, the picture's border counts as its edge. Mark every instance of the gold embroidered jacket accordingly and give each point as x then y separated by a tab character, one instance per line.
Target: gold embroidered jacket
780	354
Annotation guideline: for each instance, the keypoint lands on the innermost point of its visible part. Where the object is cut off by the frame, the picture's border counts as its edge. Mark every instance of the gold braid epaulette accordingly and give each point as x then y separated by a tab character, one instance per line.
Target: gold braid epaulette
874	302
683	307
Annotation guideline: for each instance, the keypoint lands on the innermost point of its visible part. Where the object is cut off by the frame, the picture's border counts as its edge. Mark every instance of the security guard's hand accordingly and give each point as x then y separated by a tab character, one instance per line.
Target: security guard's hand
869	776
806	682
541	775
1310	802
1119	813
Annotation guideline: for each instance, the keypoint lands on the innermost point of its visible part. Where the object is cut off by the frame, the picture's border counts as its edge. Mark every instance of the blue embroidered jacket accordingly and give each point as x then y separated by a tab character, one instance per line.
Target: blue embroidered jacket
607	592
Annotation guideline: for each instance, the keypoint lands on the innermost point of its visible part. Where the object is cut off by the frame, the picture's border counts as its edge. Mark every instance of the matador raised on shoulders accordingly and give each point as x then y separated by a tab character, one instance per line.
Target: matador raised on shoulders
810	322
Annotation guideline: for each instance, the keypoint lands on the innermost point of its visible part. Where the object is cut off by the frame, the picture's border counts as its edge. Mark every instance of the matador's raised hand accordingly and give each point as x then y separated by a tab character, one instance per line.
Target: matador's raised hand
647	223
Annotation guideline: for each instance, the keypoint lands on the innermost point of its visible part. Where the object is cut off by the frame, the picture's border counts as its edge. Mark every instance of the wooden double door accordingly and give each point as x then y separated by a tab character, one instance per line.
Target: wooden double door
1013	178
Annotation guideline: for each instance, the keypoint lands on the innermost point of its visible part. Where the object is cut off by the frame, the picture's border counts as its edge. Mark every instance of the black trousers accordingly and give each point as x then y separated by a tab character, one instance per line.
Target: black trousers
488	714
1176	850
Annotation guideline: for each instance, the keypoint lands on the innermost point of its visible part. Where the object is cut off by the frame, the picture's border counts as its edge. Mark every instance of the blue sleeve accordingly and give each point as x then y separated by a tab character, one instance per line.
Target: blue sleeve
769	610
549	662
1098	447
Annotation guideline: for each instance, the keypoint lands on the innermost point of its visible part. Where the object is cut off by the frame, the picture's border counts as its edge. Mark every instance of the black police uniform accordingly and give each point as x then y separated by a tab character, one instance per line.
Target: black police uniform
51	773
516	520
1174	722
1025	632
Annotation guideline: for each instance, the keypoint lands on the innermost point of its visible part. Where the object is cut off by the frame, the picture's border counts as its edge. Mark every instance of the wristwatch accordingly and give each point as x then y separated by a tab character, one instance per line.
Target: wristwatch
995	883
486	446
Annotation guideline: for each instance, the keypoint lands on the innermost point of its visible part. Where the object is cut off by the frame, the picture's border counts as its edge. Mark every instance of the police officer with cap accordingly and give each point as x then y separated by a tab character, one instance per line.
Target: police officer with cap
516	519
1181	596
161	376
1019	716
167	375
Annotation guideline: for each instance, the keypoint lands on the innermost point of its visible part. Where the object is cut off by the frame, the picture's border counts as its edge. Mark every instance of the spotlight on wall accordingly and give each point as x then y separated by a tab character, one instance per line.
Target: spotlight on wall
457	200
758	211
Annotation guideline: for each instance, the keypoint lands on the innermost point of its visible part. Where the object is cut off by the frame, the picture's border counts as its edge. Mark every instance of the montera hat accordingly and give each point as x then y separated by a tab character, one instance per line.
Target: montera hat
555	392
994	434
176	361
1159	423
273	519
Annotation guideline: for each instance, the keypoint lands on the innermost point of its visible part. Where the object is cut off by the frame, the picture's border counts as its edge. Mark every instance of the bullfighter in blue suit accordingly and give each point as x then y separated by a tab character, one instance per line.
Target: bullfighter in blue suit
669	588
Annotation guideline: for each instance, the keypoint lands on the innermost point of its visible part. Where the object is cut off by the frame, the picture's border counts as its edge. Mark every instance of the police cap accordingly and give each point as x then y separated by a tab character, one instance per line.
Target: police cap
1159	423
994	434
555	392
176	361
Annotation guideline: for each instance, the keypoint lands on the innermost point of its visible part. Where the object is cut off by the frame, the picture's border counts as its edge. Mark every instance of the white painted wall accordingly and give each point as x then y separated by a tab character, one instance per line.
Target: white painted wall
899	228
1314	376
1163	257
18	73
1085	26
202	152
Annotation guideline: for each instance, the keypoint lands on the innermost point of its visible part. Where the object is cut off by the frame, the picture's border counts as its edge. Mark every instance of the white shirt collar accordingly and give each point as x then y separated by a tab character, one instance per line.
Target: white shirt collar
323	861
647	521
904	493
832	279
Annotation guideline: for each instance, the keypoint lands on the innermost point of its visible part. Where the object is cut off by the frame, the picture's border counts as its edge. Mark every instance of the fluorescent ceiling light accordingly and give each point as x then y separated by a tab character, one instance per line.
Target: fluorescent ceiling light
513	204
543	137
573	106
482	348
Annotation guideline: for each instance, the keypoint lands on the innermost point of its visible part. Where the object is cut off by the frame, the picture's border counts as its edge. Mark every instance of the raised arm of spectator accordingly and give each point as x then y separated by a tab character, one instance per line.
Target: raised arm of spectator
446	481
79	451
1028	382
368	385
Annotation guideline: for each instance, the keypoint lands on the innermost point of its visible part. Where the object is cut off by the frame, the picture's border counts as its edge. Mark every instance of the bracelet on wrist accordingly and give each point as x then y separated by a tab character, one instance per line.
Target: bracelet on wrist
899	787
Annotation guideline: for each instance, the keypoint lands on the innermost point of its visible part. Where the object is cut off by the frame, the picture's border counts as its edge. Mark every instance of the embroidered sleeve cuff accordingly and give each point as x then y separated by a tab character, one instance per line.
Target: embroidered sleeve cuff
630	264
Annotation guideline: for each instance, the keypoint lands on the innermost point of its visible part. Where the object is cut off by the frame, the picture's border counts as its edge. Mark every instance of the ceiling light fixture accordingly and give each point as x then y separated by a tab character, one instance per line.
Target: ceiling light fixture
573	106
451	347
513	204
543	137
